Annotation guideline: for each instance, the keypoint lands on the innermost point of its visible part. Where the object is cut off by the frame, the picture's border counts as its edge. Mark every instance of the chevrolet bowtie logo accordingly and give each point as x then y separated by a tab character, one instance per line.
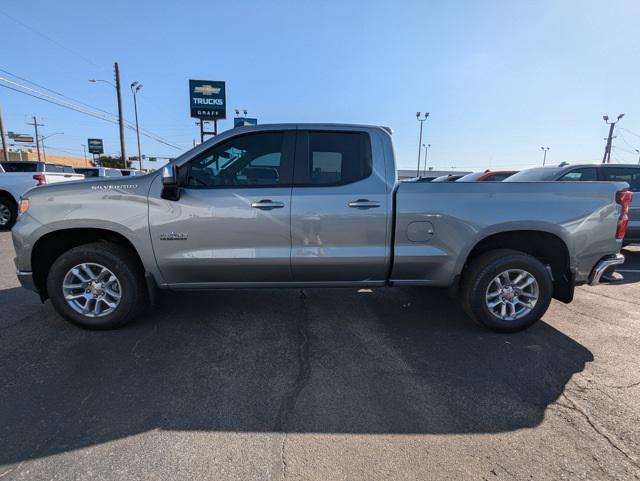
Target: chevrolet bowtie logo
206	90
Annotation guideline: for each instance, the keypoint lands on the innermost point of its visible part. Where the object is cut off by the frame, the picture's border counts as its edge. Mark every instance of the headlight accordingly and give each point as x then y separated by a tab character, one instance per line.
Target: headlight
24	206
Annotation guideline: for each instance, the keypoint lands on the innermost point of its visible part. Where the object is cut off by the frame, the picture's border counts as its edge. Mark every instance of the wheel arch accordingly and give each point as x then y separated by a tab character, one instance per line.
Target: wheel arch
549	248
53	244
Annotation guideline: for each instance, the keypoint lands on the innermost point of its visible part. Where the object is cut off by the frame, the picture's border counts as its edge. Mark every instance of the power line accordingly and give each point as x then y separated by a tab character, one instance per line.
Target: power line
55	102
68	105
128	124
57	93
629	131
46	37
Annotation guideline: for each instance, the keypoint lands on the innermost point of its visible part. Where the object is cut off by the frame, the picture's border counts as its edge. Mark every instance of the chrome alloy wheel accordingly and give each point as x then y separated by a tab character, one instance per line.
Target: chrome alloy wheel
5	215
512	294
91	290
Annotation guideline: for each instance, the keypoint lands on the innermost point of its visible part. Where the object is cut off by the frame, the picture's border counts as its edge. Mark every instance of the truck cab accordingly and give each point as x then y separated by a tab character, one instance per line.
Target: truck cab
302	204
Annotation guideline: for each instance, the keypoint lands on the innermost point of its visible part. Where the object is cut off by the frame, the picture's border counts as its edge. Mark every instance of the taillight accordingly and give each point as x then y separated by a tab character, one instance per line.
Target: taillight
40	179
624	199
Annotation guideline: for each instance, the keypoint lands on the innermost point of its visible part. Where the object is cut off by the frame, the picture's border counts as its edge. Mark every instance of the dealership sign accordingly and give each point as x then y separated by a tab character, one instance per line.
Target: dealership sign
95	146
208	99
244	121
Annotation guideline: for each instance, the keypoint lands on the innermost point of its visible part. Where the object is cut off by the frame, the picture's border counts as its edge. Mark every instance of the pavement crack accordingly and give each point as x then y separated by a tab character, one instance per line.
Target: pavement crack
283	459
573	406
288	403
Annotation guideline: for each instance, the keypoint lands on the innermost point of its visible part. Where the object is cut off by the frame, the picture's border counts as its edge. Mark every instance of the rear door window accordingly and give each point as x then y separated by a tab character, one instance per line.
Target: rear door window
54	168
630	175
333	158
582	174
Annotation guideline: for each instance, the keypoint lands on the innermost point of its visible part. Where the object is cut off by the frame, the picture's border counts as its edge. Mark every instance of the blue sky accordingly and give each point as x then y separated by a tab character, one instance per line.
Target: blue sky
500	78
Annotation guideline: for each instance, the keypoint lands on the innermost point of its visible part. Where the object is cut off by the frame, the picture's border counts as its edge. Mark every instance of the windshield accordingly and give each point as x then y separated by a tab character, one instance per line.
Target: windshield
472	177
20	166
537	174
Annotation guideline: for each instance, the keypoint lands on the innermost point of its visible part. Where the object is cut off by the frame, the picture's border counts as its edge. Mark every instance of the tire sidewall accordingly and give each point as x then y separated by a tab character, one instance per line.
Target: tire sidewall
111	261
13	211
515	261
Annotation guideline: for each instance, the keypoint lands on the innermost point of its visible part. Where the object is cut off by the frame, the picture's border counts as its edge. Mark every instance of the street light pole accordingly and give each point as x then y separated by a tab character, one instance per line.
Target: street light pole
606	158
420	139
544	159
426	153
135	87
42	139
638	152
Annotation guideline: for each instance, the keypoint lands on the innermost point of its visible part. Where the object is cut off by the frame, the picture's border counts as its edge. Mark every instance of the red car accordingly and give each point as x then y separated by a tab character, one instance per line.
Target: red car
487	176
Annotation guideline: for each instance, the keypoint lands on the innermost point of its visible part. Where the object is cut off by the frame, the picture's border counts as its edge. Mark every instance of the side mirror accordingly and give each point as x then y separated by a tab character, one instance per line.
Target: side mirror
170	184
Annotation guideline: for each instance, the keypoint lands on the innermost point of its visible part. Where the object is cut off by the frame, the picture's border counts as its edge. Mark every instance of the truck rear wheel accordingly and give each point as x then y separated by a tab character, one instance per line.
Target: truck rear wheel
97	286
506	290
8	212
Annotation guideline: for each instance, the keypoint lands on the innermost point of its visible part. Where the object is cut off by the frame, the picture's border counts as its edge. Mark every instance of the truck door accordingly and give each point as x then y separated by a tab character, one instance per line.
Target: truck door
232	221
339	208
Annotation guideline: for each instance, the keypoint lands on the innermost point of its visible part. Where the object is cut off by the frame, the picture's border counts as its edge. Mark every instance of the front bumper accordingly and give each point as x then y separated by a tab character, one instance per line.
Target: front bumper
602	265
26	279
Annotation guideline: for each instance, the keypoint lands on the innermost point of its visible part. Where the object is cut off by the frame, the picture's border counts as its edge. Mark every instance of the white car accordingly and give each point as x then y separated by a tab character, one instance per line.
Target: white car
90	172
19	177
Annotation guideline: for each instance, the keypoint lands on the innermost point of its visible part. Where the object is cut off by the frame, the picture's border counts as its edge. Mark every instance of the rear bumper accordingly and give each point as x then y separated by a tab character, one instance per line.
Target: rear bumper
26	279
602	265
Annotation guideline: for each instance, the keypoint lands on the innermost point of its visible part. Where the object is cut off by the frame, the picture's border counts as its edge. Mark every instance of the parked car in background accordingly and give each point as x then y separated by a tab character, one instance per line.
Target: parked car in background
90	172
33	166
593	172
487	176
131	172
14	182
234	212
447	178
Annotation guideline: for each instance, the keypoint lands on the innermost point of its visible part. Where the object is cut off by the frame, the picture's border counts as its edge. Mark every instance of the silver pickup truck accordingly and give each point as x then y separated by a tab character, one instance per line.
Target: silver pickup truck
313	205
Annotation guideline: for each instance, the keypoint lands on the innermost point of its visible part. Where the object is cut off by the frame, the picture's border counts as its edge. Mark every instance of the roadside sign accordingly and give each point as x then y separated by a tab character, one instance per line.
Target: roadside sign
244	121
95	146
23	138
208	99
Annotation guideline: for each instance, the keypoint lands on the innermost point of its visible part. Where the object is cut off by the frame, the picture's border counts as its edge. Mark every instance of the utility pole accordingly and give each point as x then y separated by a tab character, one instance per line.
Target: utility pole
544	159
135	88
116	69
420	139
606	158
4	141
84	149
35	126
426	153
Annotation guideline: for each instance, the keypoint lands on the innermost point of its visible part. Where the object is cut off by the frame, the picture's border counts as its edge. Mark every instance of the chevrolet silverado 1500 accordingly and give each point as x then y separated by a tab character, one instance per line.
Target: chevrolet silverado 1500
313	205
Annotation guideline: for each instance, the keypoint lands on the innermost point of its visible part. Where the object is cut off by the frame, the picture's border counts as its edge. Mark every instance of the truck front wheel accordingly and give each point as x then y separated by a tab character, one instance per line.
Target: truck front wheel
97	286
506	290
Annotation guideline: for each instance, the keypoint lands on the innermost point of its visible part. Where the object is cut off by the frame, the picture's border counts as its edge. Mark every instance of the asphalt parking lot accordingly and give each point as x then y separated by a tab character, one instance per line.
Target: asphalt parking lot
326	384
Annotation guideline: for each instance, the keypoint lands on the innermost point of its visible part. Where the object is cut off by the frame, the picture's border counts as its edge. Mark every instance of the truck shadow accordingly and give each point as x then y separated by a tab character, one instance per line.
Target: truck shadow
402	360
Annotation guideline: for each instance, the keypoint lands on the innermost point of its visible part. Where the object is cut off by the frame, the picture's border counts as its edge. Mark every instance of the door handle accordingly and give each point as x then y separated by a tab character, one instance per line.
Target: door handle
267	204
364	204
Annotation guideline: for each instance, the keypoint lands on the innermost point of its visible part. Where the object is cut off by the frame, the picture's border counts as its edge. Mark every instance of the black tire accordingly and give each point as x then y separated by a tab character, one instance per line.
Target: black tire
480	273
121	262
8	204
